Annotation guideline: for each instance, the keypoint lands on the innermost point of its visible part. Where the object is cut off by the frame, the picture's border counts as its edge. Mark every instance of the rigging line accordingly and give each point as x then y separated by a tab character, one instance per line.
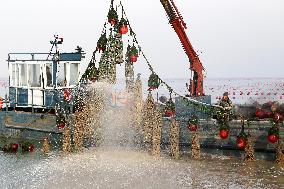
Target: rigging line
94	52
50	51
152	70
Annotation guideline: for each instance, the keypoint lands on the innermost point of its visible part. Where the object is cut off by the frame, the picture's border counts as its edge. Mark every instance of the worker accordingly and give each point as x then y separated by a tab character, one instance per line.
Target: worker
225	102
227	105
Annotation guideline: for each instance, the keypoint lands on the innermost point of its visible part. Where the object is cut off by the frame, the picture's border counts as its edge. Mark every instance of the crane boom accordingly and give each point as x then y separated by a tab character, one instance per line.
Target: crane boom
177	22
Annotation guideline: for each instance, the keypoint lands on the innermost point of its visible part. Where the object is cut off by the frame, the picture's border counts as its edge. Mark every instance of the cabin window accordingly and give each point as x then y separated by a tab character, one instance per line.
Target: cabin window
34	75
74	73
49	74
61	75
23	75
15	75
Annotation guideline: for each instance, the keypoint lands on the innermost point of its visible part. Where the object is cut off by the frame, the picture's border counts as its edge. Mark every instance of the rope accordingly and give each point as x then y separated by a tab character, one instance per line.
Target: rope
189	100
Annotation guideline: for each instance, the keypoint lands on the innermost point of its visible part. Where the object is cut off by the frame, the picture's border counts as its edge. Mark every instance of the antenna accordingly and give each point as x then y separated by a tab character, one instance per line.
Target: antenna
57	41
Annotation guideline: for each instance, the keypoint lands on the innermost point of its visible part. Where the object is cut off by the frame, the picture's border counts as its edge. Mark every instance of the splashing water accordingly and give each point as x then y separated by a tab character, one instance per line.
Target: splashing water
113	126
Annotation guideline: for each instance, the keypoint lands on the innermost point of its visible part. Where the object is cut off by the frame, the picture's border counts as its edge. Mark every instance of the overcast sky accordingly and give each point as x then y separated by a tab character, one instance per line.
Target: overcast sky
237	38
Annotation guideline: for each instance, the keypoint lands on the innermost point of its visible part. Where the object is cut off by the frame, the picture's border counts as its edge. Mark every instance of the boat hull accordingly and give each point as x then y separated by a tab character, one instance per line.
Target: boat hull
25	125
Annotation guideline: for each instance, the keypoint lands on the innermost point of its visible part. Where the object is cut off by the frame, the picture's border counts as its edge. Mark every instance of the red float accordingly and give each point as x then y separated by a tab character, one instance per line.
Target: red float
31	148
224	133
133	58
14	147
272	138
60	125
152	88
192	127
260	113
100	49
123	29
169	113
112	22
241	142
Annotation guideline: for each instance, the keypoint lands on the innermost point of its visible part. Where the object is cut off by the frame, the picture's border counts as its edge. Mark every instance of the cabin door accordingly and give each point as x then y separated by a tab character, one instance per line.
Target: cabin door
35	97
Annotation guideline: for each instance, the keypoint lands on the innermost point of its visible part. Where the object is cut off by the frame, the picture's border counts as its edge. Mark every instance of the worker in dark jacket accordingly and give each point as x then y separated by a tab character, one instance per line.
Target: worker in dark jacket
225	102
227	105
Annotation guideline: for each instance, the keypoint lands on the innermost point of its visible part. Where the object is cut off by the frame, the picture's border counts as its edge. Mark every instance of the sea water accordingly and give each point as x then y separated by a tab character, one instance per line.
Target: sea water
128	168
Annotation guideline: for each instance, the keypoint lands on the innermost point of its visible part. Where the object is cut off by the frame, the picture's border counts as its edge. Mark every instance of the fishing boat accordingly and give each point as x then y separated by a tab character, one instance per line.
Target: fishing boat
38	84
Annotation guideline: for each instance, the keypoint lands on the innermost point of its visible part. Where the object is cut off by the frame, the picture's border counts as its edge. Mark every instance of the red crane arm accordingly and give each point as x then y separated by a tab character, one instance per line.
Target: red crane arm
176	20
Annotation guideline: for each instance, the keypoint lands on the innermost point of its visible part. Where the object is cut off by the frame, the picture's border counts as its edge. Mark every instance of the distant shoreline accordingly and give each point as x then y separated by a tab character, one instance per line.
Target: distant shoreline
212	78
222	78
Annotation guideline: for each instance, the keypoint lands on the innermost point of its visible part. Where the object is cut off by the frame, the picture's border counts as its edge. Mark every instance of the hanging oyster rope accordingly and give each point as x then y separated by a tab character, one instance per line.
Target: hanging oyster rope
88	127
66	146
97	103
138	105
118	49
91	72
129	72
112	59
157	133
279	156
45	145
103	67
107	71
249	150
148	118
80	118
195	147
174	139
